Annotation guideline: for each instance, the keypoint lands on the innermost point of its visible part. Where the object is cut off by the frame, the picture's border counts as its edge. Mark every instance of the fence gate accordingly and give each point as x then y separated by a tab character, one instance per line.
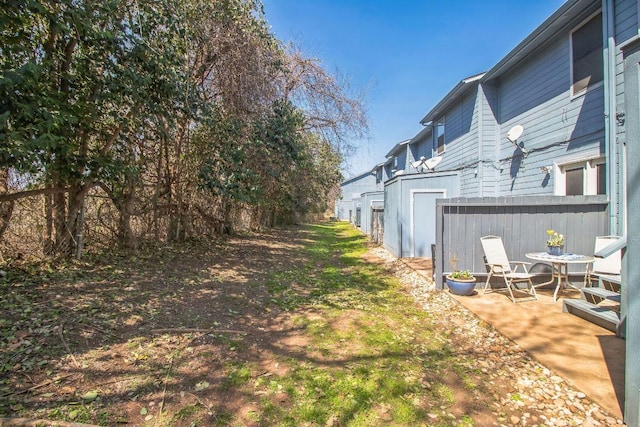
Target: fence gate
377	224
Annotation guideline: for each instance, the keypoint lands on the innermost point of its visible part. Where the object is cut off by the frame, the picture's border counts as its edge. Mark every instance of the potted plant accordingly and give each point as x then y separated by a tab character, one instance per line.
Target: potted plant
461	282
555	242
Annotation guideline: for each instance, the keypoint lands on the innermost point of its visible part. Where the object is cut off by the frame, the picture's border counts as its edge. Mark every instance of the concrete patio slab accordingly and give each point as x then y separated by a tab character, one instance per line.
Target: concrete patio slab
586	355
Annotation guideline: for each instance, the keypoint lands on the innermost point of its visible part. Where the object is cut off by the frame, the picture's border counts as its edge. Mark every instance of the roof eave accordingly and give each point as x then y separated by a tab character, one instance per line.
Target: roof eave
459	89
396	147
421	135
562	17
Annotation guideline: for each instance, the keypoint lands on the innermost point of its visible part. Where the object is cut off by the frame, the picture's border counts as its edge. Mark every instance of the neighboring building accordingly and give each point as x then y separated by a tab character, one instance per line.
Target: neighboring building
458	133
410	197
547	120
398	159
552	87
349	203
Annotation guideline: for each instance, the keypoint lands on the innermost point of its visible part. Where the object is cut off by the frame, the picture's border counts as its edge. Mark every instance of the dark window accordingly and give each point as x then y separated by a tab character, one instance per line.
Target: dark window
586	42
440	145
575	181
601	169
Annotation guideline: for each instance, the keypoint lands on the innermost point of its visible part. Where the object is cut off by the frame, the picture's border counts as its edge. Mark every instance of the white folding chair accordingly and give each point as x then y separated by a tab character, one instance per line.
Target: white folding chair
604	267
500	266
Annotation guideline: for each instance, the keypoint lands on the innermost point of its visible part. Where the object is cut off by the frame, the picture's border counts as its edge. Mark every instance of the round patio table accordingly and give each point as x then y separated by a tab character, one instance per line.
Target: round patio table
559	268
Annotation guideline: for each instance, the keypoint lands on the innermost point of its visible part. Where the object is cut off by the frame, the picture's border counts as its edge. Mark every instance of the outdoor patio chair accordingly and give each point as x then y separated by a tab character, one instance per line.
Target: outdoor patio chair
500	266
607	267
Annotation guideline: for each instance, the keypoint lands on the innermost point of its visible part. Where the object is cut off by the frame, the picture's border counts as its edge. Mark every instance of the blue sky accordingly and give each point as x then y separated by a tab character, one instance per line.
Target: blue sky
404	55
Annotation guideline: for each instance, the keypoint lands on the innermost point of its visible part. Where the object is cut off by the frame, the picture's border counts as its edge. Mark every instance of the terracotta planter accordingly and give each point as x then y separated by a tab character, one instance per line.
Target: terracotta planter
461	286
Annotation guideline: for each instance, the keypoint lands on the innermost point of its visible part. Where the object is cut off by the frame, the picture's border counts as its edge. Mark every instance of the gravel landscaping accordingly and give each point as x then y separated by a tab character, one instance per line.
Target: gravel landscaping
537	390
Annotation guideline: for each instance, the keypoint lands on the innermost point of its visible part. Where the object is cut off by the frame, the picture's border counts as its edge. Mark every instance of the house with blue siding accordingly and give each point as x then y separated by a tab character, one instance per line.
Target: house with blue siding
457	133
552	87
547	122
348	205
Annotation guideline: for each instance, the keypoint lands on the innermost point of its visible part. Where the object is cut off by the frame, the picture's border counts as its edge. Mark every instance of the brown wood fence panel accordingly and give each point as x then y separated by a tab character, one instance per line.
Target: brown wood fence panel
377	224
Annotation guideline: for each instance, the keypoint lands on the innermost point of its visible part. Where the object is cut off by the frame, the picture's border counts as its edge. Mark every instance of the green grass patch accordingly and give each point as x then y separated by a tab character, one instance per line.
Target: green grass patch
361	351
370	348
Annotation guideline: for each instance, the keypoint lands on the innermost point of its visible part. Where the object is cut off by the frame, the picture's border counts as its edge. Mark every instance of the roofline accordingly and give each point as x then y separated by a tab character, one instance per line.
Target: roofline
562	17
424	132
396	147
376	167
453	94
356	177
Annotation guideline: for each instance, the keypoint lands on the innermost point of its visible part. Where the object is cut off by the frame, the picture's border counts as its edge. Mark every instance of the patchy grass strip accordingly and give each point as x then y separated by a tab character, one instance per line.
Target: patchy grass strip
374	357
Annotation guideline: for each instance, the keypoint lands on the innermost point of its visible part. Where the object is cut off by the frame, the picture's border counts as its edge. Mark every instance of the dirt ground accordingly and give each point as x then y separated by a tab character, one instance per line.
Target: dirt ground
189	318
183	314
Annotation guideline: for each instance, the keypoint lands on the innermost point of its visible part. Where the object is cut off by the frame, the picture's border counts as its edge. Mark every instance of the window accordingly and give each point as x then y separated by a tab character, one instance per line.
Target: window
439	138
587	67
601	170
583	178
574	181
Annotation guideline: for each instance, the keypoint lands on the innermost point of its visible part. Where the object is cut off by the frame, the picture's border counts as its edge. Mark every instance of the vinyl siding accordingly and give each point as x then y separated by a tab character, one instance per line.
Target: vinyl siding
489	143
461	138
537	95
397	206
418	149
355	186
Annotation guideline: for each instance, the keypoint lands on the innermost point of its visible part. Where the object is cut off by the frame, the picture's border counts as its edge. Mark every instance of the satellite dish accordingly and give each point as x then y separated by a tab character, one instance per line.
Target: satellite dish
515	133
429	164
433	162
418	163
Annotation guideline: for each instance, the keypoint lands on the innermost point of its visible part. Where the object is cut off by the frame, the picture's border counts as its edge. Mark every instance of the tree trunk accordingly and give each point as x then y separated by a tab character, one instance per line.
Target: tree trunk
66	219
125	208
48	214
228	220
61	235
6	208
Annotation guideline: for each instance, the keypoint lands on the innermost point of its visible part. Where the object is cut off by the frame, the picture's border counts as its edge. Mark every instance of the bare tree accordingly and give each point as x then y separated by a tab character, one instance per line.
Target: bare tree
333	113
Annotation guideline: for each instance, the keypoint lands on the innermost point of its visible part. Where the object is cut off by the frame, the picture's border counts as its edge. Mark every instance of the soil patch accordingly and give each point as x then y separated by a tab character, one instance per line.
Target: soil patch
170	336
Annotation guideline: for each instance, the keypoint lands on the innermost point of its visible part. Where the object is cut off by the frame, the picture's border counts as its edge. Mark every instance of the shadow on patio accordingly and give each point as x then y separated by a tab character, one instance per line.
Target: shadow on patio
588	356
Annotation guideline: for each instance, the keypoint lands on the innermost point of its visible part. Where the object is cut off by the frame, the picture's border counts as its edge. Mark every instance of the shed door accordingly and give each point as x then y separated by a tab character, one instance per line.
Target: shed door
424	222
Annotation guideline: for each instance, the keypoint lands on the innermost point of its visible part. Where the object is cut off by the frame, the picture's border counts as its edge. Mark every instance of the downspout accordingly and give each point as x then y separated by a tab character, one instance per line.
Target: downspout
610	120
481	97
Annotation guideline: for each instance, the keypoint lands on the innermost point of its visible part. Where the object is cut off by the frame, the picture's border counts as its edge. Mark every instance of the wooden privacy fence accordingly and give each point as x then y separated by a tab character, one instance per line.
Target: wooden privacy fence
522	222
377	224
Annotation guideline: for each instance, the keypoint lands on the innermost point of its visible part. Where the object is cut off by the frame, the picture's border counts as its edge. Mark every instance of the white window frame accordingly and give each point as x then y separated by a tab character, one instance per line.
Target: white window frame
591	87
589	177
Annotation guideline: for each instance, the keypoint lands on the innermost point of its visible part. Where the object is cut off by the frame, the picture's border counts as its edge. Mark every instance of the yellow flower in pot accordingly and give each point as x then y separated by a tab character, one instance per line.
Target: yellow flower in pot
555	242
